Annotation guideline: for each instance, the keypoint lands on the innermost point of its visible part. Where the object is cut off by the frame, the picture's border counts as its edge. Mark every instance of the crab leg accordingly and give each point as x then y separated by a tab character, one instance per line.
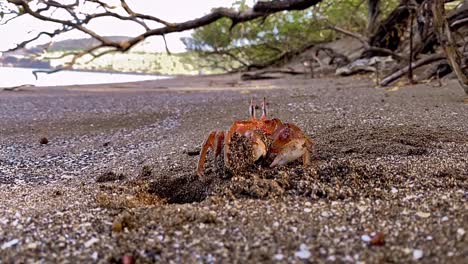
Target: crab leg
207	144
214	141
219	143
306	157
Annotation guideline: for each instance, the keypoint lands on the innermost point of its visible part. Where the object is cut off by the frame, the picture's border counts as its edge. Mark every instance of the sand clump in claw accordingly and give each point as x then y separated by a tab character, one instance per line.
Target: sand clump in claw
241	154
244	178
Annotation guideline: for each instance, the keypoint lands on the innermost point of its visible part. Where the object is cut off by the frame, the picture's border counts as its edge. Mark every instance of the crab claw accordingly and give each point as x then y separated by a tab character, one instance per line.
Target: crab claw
289	144
259	147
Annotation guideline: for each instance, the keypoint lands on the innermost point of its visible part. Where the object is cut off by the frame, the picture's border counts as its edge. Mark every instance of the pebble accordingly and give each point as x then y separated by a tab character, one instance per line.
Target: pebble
348	258
91	242
362	208
460	233
365	238
307	210
278	257
33	245
423	214
10	244
303	252
417	254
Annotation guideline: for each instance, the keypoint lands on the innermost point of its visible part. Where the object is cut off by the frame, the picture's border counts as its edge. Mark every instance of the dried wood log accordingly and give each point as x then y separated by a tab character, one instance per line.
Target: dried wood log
266	74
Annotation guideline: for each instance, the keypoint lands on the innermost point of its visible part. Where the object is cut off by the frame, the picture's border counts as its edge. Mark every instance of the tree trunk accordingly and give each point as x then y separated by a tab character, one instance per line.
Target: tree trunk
388	34
428	40
373	14
448	43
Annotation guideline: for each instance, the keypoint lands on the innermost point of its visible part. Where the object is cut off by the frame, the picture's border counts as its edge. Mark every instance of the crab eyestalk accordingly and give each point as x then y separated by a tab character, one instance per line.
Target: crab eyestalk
252	109
264	109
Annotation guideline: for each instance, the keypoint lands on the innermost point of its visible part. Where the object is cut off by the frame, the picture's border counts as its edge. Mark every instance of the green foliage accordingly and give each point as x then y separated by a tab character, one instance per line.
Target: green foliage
255	42
136	61
263	40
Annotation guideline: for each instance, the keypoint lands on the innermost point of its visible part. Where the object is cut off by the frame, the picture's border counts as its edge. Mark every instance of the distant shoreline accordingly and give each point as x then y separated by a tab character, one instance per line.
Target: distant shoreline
95	71
19	76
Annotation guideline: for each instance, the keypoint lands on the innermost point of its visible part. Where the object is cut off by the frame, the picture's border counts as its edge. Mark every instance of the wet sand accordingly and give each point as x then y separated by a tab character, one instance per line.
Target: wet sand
389	181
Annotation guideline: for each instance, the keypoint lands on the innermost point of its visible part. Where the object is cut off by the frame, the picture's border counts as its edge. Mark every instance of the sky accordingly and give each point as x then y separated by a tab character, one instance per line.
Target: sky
169	10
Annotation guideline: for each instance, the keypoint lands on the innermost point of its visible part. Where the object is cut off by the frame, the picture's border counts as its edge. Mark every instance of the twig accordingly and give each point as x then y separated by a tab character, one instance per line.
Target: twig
359	37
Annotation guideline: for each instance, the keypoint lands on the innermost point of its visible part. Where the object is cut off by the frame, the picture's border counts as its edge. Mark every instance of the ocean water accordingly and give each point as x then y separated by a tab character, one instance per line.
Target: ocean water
10	77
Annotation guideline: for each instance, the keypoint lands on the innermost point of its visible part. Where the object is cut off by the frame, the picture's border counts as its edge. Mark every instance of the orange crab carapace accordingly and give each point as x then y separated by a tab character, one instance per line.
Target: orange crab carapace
283	142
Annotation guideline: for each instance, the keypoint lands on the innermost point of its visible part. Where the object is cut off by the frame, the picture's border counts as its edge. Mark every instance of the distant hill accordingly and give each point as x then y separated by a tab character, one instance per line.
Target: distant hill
26	57
75	44
146	57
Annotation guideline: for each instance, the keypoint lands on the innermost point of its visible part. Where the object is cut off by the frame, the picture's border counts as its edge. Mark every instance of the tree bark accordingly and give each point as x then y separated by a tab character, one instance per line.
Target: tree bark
446	40
388	33
373	7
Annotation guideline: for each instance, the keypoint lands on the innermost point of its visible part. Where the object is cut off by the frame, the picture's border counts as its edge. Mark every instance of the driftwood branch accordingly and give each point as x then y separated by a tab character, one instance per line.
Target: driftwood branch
335	57
263	75
394	76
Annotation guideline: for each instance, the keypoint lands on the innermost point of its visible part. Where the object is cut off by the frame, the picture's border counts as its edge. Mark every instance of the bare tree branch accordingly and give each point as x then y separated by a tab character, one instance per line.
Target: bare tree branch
357	36
394	76
50	34
142	16
259	10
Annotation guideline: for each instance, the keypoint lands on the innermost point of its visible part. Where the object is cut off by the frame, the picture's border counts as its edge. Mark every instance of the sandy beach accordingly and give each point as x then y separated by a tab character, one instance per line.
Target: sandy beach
389	181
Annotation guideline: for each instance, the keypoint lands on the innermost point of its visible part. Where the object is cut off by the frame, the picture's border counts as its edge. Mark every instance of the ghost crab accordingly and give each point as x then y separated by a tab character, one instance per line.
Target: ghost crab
284	142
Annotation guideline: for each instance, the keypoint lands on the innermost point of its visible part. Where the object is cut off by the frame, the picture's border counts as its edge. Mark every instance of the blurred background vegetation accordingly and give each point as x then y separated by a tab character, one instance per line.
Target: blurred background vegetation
219	48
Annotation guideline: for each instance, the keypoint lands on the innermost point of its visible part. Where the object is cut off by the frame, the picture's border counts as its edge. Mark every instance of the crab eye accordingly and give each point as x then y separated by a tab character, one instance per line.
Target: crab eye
285	133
